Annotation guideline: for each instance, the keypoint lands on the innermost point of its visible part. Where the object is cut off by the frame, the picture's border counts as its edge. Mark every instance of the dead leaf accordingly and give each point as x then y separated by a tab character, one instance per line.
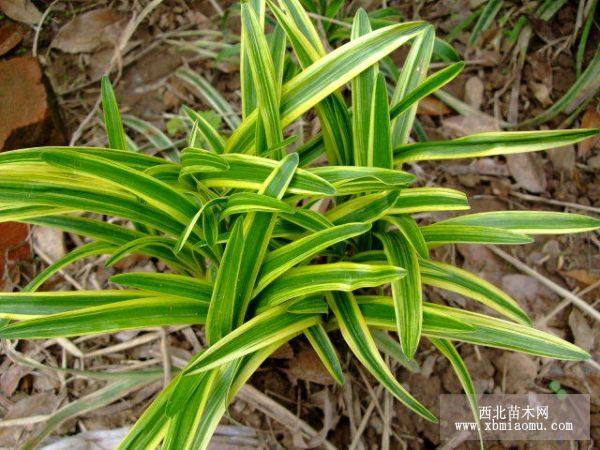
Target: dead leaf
10	37
481	261
21	10
518	372
430	106
528	172
307	366
533	296
590	119
474	92
32	405
89	31
458	126
563	158
582	332
541	92
50	241
96	439
582	276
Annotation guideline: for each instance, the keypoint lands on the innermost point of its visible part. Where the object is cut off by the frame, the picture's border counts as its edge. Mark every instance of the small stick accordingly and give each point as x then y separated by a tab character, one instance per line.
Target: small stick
166	356
365	420
562	305
580	303
535	198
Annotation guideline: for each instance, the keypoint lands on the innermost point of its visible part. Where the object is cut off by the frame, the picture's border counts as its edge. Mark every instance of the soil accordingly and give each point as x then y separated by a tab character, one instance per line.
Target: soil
508	81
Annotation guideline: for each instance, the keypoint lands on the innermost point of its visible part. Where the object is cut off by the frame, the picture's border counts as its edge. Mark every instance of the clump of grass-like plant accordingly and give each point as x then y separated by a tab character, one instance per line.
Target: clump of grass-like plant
264	245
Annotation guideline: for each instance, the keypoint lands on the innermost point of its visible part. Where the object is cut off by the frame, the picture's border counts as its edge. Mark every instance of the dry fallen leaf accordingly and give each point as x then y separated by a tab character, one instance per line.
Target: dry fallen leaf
21	10
527	170
306	365
474	92
430	106
582	276
541	92
582	332
458	126
563	158
590	119
10	37
90	31
518	372
50	241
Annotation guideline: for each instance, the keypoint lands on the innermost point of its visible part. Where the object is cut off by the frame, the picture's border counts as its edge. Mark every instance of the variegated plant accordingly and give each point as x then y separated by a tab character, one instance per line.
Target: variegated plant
263	244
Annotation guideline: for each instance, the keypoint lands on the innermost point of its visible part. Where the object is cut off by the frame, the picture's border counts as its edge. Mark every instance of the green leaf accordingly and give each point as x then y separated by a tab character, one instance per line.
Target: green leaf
378	311
341	276
243	202
23	305
257	234
250	172
112	117
210	95
166	283
317	336
425	199
379	150
263	74
332	110
492	332
429	85
150	189
134	160
205	129
279	261
529	222
462	234
490	144
356	334
267	328
149	429
411	232
342	177
367	208
414	70
328	74
188	410
485	20
406	292
452	278
91	249
391	347
156	137
363	88
123	315
247	86
464	377
221	311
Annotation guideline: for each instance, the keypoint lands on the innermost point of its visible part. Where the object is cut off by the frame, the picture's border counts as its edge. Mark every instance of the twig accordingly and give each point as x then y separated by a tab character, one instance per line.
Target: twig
131	27
166	356
365	420
129	344
38	29
49	261
277	412
585	307
562	305
549	201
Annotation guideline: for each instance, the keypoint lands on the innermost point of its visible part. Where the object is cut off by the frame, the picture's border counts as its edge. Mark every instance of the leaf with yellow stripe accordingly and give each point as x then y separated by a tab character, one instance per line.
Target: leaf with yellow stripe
356	334
406	292
529	222
446	276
